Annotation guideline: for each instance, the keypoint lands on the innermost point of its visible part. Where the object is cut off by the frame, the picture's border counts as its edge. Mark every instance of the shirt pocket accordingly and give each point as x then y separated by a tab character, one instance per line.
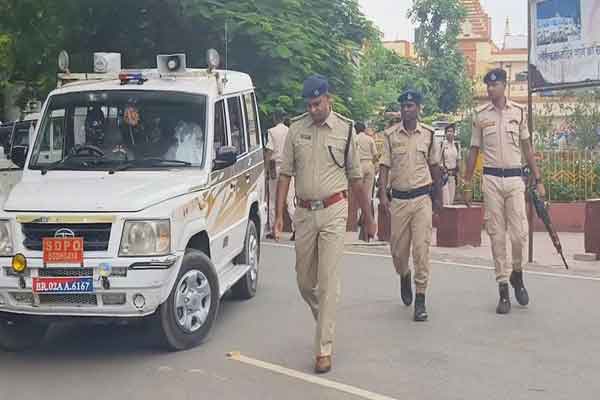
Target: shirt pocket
303	153
489	136
399	154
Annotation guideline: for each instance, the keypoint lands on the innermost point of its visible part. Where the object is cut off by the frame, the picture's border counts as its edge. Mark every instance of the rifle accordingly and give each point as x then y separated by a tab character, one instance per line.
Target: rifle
542	212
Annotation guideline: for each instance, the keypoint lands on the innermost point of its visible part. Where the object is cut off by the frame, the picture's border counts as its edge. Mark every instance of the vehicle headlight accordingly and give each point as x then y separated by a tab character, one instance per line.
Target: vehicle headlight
6	245
146	238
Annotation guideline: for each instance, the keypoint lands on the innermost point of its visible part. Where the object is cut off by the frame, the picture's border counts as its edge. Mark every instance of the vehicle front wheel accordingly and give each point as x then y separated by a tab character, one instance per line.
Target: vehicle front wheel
187	316
20	333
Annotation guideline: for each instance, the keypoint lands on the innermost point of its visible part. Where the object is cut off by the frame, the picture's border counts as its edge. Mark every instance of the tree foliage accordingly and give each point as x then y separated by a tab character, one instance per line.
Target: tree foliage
278	42
438	28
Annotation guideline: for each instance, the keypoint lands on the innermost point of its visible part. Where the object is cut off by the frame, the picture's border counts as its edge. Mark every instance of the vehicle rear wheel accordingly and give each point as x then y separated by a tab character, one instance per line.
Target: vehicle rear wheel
185	319
246	287
20	333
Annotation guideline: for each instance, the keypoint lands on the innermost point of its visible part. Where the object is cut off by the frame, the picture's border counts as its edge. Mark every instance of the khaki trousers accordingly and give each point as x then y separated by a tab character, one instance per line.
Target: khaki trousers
291	208
504	202
320	238
368	170
449	191
411	225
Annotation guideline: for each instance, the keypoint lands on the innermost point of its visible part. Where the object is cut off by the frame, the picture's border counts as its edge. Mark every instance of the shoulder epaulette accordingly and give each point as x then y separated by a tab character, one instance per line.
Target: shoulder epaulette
520	106
345	119
298	117
427	127
482	108
388	131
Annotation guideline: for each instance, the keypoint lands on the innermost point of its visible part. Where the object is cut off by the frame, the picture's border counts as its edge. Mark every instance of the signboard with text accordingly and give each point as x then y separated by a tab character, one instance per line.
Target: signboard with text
565	43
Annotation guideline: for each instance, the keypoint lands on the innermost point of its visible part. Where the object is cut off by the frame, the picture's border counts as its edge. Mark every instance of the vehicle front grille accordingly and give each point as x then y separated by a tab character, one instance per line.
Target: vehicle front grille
95	236
68	299
65	272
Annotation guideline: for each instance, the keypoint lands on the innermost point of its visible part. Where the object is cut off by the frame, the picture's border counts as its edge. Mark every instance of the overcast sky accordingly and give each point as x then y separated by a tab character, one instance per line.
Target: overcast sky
390	17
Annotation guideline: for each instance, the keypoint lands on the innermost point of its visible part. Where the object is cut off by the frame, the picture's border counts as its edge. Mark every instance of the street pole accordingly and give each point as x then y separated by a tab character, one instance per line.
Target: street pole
530	125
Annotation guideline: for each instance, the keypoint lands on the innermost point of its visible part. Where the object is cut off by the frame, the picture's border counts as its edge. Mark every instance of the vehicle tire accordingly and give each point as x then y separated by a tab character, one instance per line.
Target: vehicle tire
185	319
245	288
20	333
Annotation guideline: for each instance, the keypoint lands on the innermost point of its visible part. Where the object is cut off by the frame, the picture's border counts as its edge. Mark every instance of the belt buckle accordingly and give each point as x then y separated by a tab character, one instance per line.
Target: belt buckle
316	205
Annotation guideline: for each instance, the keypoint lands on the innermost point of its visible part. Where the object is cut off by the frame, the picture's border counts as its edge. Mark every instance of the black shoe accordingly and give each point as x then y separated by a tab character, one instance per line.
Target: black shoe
504	302
406	289
516	280
293	238
420	311
270	236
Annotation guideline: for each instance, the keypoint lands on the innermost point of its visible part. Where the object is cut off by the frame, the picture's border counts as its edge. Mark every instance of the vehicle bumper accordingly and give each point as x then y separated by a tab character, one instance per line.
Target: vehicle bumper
150	278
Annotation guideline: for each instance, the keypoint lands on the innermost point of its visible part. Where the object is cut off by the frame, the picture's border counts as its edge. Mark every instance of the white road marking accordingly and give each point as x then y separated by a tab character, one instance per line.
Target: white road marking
456	264
341	387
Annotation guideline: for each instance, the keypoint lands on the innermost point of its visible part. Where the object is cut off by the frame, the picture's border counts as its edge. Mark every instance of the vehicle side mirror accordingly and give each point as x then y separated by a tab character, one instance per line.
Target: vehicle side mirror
226	156
18	155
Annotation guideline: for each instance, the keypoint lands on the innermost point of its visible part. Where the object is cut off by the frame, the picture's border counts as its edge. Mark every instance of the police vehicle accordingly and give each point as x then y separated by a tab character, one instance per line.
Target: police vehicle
142	195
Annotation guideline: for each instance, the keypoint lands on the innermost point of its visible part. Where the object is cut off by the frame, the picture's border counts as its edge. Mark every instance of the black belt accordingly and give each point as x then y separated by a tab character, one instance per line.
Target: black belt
503	172
411	194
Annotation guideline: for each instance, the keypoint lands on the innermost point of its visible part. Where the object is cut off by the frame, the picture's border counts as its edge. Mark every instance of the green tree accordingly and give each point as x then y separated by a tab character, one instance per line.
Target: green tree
33	33
438	27
381	76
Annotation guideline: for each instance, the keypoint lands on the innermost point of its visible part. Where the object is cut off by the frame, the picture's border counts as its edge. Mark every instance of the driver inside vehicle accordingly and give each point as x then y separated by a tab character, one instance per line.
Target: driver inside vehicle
106	136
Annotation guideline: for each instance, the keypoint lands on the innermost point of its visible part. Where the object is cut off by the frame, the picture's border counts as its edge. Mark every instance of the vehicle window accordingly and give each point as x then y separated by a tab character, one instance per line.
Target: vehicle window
220	137
236	124
251	121
115	127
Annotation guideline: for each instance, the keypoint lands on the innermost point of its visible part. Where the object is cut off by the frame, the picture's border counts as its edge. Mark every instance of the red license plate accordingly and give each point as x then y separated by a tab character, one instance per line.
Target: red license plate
63	250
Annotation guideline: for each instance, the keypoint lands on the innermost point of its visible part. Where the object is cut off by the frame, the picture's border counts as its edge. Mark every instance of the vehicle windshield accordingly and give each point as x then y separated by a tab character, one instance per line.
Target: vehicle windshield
108	130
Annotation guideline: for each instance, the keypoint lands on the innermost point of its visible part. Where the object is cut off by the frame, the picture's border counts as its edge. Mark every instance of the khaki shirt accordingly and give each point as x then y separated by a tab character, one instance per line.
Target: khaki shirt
498	133
450	155
308	158
409	155
276	141
367	149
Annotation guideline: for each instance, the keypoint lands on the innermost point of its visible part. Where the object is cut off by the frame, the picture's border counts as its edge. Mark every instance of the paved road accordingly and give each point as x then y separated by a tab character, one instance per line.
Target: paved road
547	351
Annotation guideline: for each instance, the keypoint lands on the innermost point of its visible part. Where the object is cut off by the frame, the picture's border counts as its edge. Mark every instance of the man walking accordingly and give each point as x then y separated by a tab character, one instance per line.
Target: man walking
500	132
450	164
273	159
367	150
321	153
411	162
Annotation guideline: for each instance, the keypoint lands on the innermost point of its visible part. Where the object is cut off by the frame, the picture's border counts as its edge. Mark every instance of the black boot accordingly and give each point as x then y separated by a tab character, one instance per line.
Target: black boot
420	310
504	302
406	289
516	280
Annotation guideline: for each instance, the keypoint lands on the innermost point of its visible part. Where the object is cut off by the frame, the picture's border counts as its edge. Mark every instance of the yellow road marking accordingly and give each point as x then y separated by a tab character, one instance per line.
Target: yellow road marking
340	387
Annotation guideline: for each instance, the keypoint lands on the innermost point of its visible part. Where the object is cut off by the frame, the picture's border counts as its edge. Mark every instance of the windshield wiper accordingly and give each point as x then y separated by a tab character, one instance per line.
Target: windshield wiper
149	162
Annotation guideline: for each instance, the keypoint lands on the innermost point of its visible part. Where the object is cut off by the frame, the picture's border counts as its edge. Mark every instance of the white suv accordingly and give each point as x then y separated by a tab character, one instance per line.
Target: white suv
142	194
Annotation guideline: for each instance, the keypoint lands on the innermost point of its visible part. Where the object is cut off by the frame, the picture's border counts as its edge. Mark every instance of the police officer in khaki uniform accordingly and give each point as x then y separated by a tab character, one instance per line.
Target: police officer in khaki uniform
500	132
367	150
273	158
450	164
411	162
321	154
